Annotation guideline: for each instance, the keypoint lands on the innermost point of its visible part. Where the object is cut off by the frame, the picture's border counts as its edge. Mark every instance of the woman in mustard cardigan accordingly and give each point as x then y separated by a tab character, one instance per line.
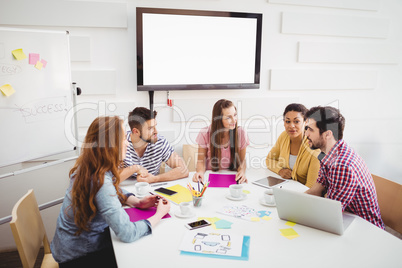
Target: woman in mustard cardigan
291	156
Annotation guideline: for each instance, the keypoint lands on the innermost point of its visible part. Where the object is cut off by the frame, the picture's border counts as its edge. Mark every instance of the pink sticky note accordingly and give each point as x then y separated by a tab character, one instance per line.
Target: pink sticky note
43	62
221	180
33	58
137	214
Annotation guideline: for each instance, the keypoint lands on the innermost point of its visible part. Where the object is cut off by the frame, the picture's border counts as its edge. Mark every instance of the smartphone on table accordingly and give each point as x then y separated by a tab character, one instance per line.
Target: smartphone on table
165	191
197	224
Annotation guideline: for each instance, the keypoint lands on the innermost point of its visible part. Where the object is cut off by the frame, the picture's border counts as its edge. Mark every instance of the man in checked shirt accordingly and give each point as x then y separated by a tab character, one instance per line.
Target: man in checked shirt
343	175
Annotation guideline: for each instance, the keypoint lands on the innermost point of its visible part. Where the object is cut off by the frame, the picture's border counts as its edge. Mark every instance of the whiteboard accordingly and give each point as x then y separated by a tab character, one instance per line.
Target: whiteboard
34	120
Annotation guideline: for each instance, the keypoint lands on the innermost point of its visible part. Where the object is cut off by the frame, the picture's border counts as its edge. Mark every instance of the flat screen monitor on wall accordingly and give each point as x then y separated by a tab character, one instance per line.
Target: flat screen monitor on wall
197	50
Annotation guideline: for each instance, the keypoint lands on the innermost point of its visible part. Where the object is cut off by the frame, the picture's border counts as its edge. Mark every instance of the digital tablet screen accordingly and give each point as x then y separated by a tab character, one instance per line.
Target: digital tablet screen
270	181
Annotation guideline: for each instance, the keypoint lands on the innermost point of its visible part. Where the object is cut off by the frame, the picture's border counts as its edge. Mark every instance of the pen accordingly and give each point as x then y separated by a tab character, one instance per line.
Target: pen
158	197
158	184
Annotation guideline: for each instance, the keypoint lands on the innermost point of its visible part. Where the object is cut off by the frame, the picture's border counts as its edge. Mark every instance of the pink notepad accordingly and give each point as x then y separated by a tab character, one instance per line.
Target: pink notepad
137	214
221	180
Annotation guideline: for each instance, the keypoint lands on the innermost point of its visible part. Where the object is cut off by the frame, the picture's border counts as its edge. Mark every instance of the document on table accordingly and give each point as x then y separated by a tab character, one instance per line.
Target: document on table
218	243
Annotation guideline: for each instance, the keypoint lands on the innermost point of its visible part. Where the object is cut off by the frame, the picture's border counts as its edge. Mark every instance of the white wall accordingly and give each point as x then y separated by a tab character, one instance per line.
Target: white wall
341	53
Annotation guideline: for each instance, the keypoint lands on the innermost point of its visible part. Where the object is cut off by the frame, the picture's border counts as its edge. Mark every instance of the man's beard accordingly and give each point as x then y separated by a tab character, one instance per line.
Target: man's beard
148	140
316	146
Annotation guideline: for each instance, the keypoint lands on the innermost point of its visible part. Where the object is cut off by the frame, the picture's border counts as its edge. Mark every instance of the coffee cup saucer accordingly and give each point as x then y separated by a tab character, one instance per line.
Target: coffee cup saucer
140	196
180	215
242	197
262	202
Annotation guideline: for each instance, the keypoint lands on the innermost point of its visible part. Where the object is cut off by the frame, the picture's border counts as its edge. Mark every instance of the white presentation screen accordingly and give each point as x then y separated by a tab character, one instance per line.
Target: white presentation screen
188	50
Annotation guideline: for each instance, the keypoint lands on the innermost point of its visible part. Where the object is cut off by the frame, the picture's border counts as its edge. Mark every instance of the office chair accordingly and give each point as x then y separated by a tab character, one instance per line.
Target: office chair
190	156
29	232
389	195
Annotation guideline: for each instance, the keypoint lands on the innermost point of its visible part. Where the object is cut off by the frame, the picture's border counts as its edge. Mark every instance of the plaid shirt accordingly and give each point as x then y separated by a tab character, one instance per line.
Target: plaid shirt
347	179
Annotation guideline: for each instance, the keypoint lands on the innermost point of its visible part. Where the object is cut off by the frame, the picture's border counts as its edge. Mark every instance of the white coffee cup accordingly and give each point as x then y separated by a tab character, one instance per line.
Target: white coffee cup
236	190
269	197
185	208
142	188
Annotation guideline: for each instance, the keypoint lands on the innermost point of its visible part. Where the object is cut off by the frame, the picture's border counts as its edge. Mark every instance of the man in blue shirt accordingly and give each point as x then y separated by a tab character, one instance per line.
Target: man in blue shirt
147	150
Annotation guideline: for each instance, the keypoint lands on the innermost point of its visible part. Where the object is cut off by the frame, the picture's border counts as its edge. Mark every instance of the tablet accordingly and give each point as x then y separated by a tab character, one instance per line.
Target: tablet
270	182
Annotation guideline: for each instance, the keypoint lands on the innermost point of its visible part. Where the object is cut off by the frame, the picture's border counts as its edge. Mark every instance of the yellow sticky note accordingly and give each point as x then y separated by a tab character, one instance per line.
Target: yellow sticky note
288	232
215	219
246	192
7	90
255	219
19	54
39	65
211	220
290	223
267	218
290	236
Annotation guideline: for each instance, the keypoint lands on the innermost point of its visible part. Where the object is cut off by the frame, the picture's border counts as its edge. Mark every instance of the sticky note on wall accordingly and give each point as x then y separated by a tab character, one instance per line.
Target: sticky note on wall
39	65
44	63
33	58
19	54
7	90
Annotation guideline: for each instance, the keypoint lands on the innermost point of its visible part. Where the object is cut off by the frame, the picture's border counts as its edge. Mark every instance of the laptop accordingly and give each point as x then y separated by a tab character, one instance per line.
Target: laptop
313	211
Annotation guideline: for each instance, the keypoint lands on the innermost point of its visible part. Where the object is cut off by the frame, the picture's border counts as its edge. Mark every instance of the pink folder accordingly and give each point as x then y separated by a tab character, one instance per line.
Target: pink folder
137	214
222	180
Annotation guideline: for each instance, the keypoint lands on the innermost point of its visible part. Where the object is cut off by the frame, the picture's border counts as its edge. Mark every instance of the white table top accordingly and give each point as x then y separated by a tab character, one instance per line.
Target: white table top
362	244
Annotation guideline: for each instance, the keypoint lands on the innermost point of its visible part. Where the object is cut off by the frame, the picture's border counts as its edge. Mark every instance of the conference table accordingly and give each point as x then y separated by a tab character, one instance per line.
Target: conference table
361	245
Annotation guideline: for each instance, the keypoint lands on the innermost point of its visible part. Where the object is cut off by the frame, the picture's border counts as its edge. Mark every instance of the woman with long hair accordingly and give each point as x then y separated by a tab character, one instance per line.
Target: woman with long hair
93	202
291	156
223	144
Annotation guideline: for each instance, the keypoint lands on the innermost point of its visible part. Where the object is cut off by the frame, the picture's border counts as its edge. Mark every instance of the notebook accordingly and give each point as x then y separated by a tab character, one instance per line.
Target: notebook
137	214
313	211
183	194
221	180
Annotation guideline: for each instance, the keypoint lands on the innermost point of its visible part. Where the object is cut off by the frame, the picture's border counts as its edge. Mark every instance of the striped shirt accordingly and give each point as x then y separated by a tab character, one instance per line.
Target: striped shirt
347	179
153	156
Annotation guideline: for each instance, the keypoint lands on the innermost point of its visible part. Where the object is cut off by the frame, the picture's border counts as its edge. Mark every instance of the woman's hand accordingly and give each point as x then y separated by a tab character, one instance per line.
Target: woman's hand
148	201
198	177
241	176
163	207
285	173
